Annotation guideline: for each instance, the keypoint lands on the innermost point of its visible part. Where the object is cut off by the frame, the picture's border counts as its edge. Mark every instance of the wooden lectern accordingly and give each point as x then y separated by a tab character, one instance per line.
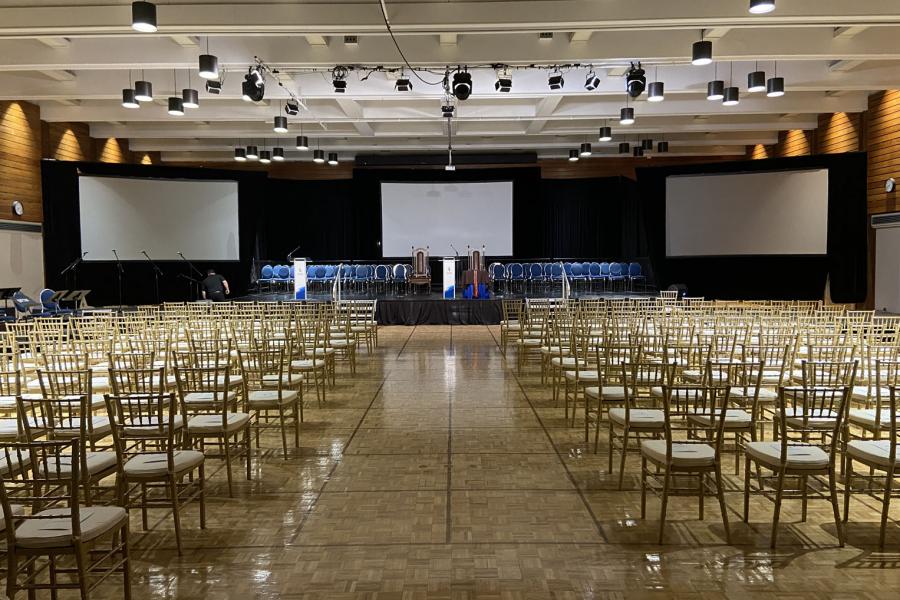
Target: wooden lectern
475	272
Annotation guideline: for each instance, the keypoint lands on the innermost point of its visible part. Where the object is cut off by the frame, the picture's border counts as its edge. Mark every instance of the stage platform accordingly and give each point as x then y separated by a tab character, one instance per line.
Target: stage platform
432	309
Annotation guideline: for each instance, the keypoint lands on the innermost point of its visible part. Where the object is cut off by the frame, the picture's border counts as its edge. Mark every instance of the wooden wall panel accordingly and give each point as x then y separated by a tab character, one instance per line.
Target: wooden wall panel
20	160
839	132
68	141
112	150
883	146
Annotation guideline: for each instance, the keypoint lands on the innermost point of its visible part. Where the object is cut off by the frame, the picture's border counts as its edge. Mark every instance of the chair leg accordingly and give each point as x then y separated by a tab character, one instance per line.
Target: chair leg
746	488
643	488
248	451
202	476
720	492
173	496
778	494
832	487
848	484
126	564
283	432
622	461
888	485
81	562
665	502
227	451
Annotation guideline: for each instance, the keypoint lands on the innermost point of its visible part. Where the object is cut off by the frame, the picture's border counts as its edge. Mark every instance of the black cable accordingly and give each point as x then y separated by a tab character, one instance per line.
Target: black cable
387	24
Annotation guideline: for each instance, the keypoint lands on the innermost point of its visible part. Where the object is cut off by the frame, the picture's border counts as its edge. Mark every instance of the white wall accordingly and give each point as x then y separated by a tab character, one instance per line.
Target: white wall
887	269
22	261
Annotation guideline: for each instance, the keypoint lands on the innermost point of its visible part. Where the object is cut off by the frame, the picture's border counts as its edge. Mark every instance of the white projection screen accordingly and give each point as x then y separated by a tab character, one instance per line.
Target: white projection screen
440	214
783	213
161	216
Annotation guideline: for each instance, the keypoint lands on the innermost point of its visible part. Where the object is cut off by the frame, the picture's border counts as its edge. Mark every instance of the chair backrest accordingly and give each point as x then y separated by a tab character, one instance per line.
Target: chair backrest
555	270
497	271
399	272
536	270
682	405
137	419
282	271
594	269
615	269
548	269
262	368
325	272
634	269
137	377
381	273
420	261
267	272
604	269
575	270
804	411
516	271
829	373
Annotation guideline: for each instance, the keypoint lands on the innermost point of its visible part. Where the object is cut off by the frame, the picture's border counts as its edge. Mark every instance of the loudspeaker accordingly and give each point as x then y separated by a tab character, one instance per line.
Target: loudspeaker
680	288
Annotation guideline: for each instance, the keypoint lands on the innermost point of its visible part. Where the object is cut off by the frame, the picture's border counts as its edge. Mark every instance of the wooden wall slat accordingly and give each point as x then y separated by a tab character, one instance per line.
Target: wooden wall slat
20	167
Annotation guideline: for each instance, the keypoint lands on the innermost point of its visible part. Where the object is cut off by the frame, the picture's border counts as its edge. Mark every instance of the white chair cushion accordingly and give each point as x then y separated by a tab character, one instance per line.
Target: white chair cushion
306	364
735	418
56	533
683	455
100	426
874	452
582	376
565	361
865	417
260	398
798	457
692	374
272	380
861	393
533	342
149	465
213	423
206	397
819	419
148	425
611	393
97	462
642	418
7	402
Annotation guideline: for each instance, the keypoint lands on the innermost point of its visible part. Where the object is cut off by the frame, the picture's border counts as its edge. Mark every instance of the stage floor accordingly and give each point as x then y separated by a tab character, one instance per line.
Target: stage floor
432	308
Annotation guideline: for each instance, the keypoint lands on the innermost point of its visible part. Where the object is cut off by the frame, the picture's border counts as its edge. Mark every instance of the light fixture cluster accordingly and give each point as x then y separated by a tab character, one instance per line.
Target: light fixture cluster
252	153
142	91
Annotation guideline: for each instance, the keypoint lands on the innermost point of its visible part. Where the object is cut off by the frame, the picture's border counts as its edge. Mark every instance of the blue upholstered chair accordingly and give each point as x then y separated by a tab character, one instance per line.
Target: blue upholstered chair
604	273
516	274
399	277
266	276
556	271
616	274
548	272
497	273
536	274
594	273
381	275
635	273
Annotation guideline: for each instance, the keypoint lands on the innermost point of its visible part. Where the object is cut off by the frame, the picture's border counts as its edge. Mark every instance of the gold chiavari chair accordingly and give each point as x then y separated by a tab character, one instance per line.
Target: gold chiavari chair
610	388
265	393
742	416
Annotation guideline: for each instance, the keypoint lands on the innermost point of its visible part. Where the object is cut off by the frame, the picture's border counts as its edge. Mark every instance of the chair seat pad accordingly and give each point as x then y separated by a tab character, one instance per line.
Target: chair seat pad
149	426
819	419
206	398
320	352
735	418
865	417
531	342
683	455
307	363
582	376
860	393
15	509
286	380
640	418
798	457
692	374
771	377
7	402
565	361
97	462
261	398
611	393
148	465
56	533
341	344
874	452
213	423
765	394
99	425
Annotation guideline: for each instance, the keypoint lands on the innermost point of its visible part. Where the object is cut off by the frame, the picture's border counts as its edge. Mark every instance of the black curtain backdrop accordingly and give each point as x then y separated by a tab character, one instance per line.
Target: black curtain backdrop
775	277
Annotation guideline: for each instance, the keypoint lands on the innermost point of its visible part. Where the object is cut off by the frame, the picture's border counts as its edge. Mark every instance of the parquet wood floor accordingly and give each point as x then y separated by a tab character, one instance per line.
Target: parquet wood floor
438	472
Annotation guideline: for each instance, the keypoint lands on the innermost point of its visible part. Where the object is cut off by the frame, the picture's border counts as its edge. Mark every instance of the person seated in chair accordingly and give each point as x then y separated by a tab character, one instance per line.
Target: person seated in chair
214	287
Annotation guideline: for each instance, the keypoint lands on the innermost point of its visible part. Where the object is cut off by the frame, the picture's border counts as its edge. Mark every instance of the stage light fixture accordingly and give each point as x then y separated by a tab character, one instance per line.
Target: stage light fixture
761	7
635	80
555	80
624	148
265	157
240	155
143	17
447	110
605	134
626	116
332	158
732	96
662	147
403	85
318	156
701	53
462	85
449	167
592	82
190	98
278	154
715	90
143	91
302	143
585	149
756	81
656	92
775	87
637	151
214	87
128	99
280	125
252	153
176	106
573	155
253	88
292	108
504	81
209	66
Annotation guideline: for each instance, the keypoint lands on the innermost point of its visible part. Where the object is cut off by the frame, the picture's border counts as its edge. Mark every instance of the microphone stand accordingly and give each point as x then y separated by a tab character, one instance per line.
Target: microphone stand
156	273
120	271
73	267
191	281
290	255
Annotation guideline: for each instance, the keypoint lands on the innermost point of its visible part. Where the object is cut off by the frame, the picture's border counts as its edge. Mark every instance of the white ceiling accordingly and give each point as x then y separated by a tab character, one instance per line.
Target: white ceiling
74	58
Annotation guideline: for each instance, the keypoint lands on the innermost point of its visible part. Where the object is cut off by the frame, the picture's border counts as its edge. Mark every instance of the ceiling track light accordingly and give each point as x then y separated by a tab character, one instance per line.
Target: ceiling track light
176	106
403	85
732	96
190	98
253	88
573	155
302	143
555	80
662	147
252	153
504	81
701	53
585	149
265	157
715	90
775	87
656	91
143	17
128	99
462	85
143	91
318	156
624	148
292	108
278	154
626	116
592	82
635	80
240	155
214	87
332	158
761	7
605	134
280	125
756	81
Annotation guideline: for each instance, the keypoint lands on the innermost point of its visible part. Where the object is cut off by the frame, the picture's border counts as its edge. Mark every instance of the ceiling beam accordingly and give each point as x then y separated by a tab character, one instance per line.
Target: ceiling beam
448	39
55	42
845	33
545	108
353	110
59	75
186	41
844	65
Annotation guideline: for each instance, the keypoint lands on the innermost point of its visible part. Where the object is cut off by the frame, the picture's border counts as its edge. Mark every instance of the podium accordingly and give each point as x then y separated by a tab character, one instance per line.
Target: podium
449	268
299	279
475	274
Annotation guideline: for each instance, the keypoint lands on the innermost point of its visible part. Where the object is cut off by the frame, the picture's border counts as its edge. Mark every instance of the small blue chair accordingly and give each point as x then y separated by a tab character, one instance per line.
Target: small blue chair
548	272
399	277
617	273
516	274
556	271
536	274
497	273
266	276
282	275
635	273
593	273
381	275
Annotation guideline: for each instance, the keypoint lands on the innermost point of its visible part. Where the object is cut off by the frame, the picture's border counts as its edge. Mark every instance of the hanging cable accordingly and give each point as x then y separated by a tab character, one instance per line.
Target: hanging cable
387	24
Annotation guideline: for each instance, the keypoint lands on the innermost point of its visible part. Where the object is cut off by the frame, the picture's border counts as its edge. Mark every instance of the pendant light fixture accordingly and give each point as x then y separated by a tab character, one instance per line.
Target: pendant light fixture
756	80
761	7
252	152
176	104
265	157
775	85
732	95
128	99
647	144
332	158
585	150
701	52
715	89
280	125
605	134
209	64
190	97
302	143
573	155
638	151
626	115
318	156
662	147
624	148
143	90
278	154
656	89
143	17
240	155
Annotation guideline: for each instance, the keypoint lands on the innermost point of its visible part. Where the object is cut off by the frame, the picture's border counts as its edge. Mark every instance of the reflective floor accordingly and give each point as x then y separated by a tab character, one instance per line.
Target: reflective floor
438	472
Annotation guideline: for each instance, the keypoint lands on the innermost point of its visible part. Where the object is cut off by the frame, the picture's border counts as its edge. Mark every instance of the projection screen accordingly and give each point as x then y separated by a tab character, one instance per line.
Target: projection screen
161	216
784	213
440	214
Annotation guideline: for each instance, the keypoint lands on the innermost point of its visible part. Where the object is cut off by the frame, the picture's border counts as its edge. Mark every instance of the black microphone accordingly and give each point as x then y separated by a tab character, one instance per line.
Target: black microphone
83	254
454	249
181	255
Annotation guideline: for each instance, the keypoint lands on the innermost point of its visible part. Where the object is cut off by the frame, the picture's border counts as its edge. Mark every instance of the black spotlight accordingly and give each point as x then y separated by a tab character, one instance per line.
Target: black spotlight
756	81
701	53
176	106
447	110
656	92
504	82
637	151
605	134
332	158
292	108
403	85
775	87
190	98
253	88
265	156
280	124
635	80
555	80
626	116
592	82
240	155
585	150
662	147
715	90
339	79
573	155
624	148
143	17
214	87
647	144
302	142
462	85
